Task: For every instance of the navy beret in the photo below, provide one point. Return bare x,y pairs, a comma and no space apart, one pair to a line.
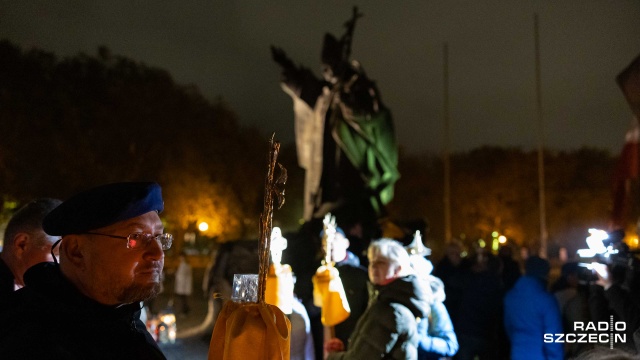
103,206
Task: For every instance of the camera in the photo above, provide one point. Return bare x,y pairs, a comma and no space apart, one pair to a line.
605,249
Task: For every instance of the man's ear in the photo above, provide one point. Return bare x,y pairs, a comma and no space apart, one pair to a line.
20,243
72,249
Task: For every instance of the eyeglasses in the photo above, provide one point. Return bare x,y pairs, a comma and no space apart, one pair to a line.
141,240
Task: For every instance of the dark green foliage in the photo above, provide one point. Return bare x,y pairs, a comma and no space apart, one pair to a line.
497,189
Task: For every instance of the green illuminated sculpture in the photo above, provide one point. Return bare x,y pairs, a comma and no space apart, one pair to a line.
344,134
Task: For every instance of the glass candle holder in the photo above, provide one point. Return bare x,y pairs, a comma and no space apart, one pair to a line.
245,288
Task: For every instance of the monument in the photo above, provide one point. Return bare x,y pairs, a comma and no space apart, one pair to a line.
345,138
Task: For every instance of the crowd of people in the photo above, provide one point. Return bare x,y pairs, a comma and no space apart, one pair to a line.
486,306
74,274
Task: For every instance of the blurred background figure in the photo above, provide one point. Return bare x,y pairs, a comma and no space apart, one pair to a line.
184,284
302,345
612,294
510,268
437,337
354,280
530,311
478,316
571,291
450,270
25,243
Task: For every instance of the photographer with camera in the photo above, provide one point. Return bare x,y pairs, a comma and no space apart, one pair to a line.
615,288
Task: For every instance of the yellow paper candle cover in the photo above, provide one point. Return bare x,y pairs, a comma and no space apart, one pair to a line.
328,293
280,287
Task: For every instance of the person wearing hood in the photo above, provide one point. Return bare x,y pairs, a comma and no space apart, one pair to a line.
388,328
530,312
437,338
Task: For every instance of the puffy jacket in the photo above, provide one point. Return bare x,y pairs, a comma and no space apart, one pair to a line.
529,313
388,328
354,280
437,338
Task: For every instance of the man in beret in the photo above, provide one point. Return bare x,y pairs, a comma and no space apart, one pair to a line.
25,244
88,306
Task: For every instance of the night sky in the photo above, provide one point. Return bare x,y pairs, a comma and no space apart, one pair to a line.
223,48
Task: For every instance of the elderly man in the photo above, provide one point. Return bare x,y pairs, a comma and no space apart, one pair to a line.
25,244
388,328
88,306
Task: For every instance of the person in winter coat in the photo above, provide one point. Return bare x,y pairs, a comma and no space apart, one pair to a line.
354,280
388,328
437,337
479,314
530,312
184,283
452,270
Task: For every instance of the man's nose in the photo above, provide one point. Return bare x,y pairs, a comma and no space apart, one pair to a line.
153,250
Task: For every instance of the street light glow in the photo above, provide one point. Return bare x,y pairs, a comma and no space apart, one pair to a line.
203,226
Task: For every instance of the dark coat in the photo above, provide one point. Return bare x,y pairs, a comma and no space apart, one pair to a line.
619,303
7,281
388,328
529,313
50,319
354,280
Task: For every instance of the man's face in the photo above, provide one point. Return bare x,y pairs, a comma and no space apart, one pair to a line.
382,271
115,274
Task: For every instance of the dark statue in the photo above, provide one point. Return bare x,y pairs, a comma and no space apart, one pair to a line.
344,135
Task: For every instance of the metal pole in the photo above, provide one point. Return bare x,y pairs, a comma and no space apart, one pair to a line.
447,167
541,187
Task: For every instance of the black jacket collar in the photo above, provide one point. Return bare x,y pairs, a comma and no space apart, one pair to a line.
47,280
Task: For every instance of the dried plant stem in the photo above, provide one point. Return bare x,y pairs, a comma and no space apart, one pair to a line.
266,218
